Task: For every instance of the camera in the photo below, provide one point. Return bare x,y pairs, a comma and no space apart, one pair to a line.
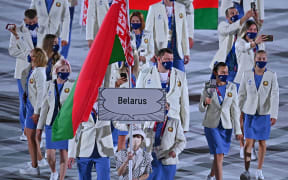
210,87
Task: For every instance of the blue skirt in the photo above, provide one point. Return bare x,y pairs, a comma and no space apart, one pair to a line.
257,127
56,144
219,139
29,123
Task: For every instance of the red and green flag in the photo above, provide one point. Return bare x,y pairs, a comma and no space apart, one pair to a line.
141,6
111,44
205,14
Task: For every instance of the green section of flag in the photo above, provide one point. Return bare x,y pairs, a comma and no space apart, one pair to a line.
117,51
142,11
206,18
62,126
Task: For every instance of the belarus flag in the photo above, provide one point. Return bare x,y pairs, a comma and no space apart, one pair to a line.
111,44
142,6
205,14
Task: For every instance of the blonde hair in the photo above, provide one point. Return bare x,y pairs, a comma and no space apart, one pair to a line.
59,64
40,57
135,67
47,46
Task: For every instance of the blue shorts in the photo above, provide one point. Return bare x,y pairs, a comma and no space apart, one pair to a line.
29,123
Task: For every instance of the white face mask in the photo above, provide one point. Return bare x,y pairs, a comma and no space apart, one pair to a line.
136,143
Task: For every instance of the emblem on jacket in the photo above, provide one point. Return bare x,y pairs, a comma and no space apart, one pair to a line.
249,82
229,94
265,83
146,40
66,90
58,4
181,15
31,81
179,83
170,129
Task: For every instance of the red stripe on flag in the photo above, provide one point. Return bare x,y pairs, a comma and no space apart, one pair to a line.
198,4
94,68
141,4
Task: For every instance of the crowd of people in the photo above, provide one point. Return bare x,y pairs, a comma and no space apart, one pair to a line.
242,95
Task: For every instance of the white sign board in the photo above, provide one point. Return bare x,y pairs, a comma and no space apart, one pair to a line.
131,104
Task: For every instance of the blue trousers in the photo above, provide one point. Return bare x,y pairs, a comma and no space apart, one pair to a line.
22,108
102,166
160,171
65,49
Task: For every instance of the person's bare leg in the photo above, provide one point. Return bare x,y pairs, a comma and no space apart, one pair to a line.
261,153
218,158
242,129
32,147
212,172
51,158
39,153
63,163
247,152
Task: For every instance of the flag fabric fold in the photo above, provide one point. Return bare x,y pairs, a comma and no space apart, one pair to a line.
83,95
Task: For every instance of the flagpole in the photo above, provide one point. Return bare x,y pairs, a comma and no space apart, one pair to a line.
130,86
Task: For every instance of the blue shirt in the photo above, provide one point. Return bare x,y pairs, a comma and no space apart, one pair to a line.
138,39
159,127
49,70
49,4
258,79
222,90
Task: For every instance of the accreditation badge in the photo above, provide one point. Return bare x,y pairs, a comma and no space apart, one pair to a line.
58,4
66,90
265,83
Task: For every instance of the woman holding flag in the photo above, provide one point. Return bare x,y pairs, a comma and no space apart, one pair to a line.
56,94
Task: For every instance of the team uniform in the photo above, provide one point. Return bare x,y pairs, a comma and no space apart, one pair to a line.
169,30
20,49
259,100
222,115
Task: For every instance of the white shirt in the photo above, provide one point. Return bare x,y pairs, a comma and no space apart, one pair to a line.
164,77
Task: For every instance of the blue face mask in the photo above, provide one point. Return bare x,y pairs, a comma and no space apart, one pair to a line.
261,64
56,48
251,35
29,59
168,65
166,111
223,78
63,75
32,27
235,18
136,25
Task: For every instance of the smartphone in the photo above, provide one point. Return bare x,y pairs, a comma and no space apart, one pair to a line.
123,75
269,38
10,26
253,6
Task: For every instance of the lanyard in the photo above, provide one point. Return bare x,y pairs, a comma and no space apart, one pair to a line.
168,81
219,95
163,127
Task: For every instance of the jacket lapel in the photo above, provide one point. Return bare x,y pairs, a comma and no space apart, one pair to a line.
27,36
215,99
153,79
173,78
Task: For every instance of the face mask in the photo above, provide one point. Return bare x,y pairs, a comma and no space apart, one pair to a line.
167,65
56,48
136,142
223,78
235,18
166,112
261,64
136,25
29,59
32,27
63,75
251,35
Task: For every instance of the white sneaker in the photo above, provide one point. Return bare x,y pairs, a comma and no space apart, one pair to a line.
253,154
242,152
42,163
30,171
259,174
23,137
245,175
54,176
210,177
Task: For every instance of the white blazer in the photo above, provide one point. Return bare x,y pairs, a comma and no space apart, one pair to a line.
146,47
157,23
22,47
226,34
82,145
57,21
190,15
97,10
245,57
47,108
36,86
259,7
177,96
173,139
265,100
228,112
